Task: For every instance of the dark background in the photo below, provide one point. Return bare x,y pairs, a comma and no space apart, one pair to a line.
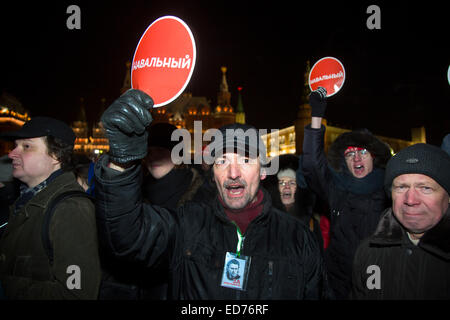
396,77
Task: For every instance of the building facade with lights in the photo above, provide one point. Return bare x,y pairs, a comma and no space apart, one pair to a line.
184,112
12,116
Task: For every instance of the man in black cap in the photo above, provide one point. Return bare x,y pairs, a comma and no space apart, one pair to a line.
195,241
408,257
41,160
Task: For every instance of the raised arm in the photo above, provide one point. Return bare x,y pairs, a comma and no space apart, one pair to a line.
314,163
127,226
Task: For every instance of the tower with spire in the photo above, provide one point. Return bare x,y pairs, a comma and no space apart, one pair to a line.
240,114
224,112
224,95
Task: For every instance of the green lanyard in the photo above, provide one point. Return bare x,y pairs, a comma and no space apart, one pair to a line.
240,242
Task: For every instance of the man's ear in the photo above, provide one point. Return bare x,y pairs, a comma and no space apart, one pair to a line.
262,173
55,161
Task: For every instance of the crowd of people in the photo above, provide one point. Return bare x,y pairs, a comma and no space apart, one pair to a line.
352,223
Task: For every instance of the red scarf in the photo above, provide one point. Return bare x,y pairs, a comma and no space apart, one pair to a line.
243,217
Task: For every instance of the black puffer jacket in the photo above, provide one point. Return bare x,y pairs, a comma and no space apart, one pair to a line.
192,243
355,204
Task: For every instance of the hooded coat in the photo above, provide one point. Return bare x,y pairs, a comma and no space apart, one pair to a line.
355,204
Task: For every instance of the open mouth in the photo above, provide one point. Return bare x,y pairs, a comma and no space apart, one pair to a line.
15,165
359,169
234,190
286,195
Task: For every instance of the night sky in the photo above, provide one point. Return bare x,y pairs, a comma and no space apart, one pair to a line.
396,77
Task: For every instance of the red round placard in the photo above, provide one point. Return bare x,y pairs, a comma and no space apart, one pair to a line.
329,73
164,60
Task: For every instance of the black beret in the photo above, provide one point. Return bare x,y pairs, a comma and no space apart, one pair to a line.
41,127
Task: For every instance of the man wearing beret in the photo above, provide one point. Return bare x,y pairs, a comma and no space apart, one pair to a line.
408,257
42,161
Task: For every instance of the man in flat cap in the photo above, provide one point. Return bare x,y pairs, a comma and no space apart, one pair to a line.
42,161
408,257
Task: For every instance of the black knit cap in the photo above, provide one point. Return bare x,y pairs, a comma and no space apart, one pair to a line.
420,158
41,127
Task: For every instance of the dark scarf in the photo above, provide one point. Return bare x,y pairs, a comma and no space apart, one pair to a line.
167,191
372,182
243,217
26,193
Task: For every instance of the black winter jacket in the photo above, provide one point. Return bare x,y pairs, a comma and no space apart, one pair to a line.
404,270
192,243
353,217
123,280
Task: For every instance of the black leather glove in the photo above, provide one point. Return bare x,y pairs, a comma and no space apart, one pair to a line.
318,102
125,123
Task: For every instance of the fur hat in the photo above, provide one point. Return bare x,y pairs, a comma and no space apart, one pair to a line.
362,138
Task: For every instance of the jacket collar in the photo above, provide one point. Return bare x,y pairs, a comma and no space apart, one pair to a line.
436,240
42,198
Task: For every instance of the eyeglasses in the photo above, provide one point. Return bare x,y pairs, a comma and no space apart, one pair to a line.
363,153
289,183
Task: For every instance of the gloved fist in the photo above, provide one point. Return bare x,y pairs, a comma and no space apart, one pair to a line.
125,123
318,102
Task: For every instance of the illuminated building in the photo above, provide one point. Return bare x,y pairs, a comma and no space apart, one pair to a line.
182,113
12,117
89,143
186,109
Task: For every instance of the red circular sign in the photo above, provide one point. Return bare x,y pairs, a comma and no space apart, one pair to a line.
329,73
164,60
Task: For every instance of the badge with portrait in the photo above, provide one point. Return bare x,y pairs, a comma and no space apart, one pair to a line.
235,271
